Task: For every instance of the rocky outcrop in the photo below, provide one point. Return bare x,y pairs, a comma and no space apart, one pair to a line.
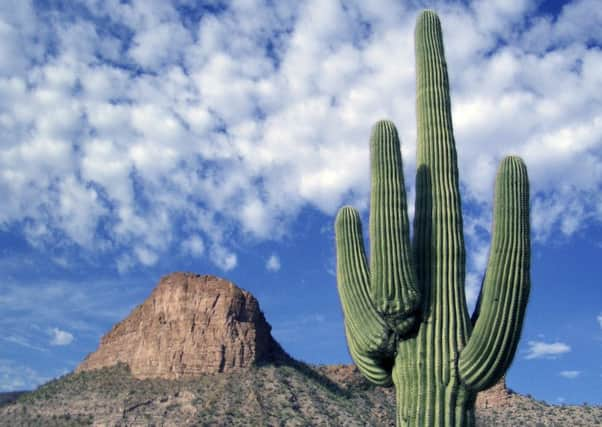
495,397
189,325
498,396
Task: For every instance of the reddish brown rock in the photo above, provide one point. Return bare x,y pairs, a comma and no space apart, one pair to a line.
189,325
497,396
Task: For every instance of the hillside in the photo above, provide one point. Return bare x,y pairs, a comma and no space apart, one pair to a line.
199,351
291,394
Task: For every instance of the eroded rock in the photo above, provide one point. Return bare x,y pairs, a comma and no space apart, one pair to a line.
189,325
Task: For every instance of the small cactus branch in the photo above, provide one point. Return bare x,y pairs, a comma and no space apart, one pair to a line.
495,337
371,341
393,283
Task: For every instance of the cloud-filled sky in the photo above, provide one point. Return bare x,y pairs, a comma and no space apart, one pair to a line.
143,137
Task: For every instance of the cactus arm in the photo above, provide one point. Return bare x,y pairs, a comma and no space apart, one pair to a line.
505,291
439,250
393,283
377,369
371,342
438,221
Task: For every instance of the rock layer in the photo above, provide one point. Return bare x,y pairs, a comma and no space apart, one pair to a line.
498,396
189,325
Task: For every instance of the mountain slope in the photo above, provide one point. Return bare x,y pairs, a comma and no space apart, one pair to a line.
289,394
198,351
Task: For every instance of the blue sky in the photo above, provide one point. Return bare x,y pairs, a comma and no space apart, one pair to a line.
139,138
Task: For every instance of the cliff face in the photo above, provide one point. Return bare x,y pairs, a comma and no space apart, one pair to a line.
189,325
495,397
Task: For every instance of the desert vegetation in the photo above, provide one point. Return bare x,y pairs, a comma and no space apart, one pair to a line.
293,394
406,318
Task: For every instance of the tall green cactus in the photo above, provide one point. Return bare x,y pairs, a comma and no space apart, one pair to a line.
406,319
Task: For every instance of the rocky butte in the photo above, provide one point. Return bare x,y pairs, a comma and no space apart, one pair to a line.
198,324
189,325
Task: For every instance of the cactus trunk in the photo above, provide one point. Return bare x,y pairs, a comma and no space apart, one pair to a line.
438,404
406,319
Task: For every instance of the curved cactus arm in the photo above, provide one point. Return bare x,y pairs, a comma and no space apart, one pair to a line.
377,370
371,341
505,291
393,283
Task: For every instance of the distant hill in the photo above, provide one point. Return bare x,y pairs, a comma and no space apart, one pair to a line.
199,351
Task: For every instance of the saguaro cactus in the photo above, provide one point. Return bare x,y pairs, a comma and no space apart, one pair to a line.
406,319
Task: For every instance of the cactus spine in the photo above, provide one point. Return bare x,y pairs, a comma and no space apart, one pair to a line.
406,319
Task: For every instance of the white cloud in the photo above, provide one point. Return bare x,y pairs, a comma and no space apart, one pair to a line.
160,44
599,319
540,349
79,211
476,231
23,342
18,31
146,256
194,245
273,263
473,286
15,377
231,125
32,309
570,374
223,258
59,337
125,263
